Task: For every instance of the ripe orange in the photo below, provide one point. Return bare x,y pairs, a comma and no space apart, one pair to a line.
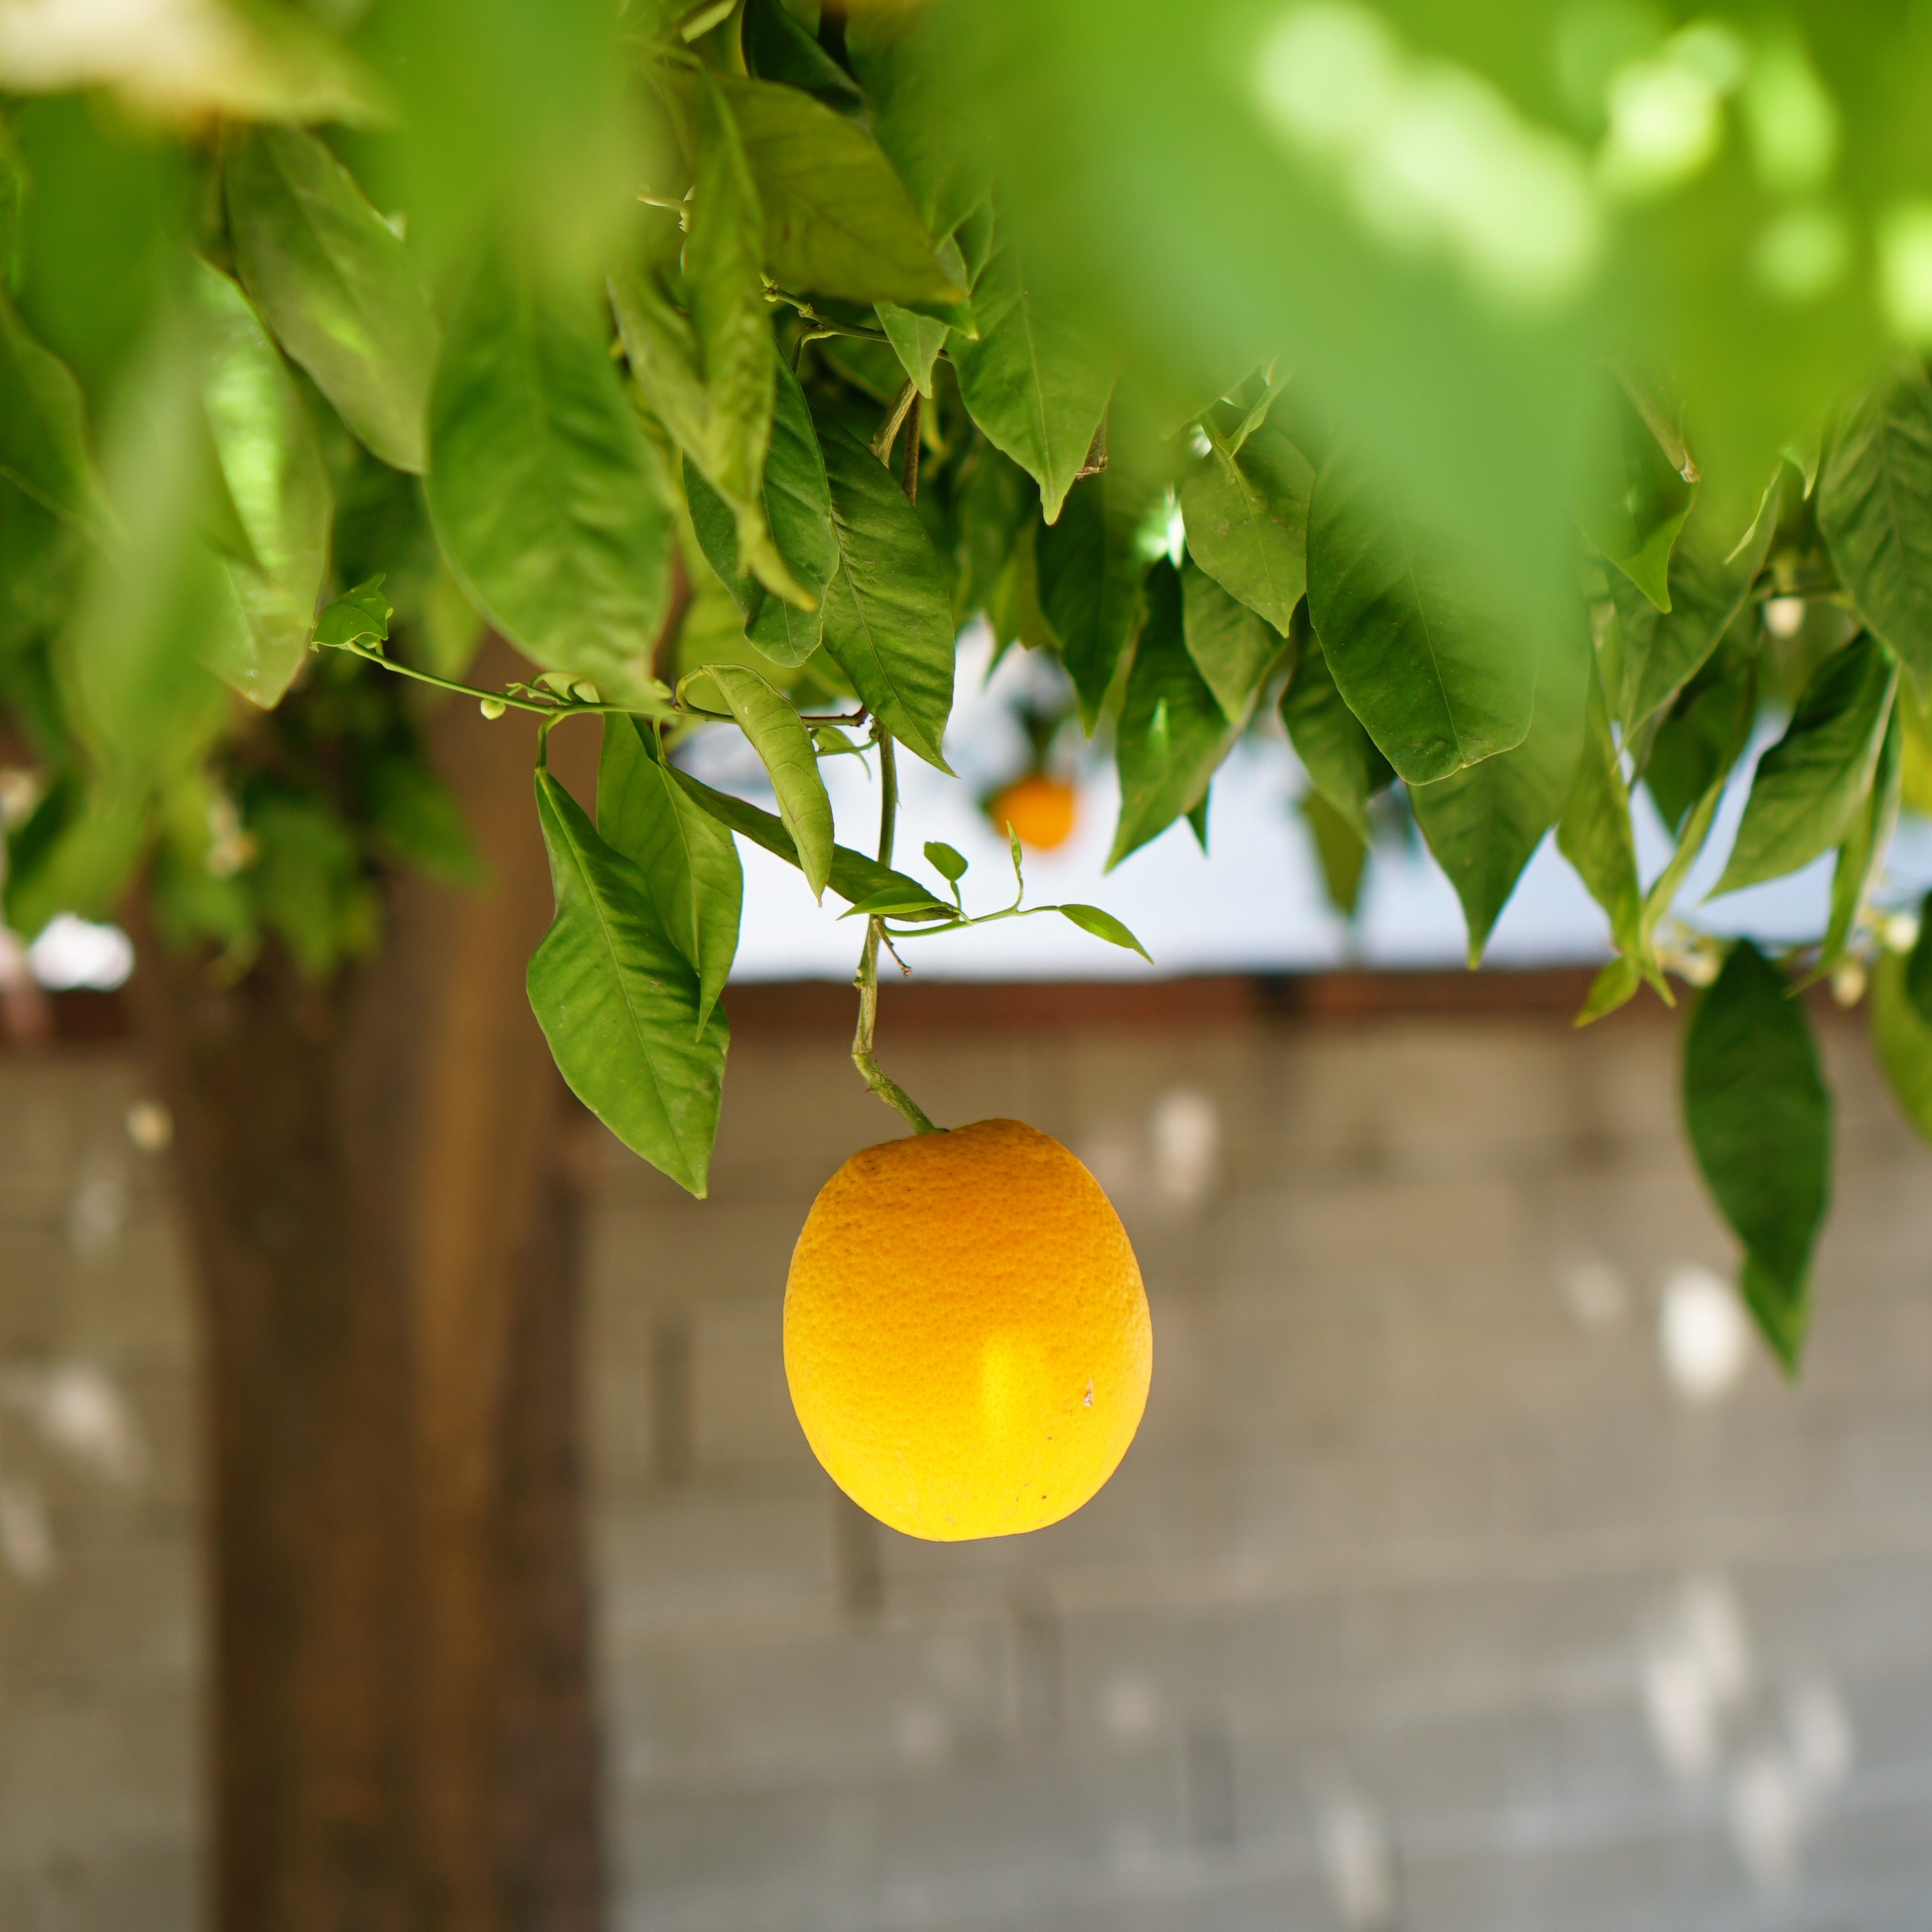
967,1339
1039,808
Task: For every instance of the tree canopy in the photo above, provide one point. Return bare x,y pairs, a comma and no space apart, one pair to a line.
1525,405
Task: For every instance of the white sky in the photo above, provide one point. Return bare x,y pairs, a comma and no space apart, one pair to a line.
1254,903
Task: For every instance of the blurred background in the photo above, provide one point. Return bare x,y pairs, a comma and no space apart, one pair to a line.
1473,1569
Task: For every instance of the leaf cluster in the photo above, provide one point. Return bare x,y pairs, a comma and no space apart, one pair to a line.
768,348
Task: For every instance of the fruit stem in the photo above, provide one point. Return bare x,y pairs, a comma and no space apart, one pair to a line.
867,980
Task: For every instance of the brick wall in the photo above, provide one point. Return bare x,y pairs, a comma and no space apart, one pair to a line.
1426,1598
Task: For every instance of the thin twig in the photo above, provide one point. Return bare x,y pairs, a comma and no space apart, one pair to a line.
867,979
909,474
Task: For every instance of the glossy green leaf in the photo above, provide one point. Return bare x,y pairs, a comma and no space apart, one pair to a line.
1339,757
43,444
1723,713
1232,647
1637,503
1861,858
1036,381
1875,510
1102,926
1089,569
732,324
336,284
1485,822
888,608
1661,652
1246,517
1340,853
1811,785
797,503
946,860
688,859
898,902
916,340
778,735
893,50
157,601
1172,733
360,615
1595,835
996,501
1437,676
777,47
1759,1119
1901,1041
618,1003
838,221
854,877
272,472
546,494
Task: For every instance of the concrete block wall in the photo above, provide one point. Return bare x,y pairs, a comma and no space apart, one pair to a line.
1426,1599
100,1605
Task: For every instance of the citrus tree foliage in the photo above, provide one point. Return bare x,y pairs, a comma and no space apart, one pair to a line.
1523,408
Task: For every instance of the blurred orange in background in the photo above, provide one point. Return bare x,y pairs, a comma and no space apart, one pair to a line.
1041,810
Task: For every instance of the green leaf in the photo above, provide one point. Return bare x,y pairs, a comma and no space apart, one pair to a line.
891,51
797,503
1722,713
1439,678
358,616
1340,851
1233,649
897,902
1918,965
1901,1039
336,285
1759,1119
272,470
837,219
712,379
1875,510
1102,926
916,340
945,860
777,47
1661,653
1485,822
156,602
618,1004
1172,733
1340,758
1810,785
1036,382
854,877
545,492
732,324
1861,858
1246,517
1090,571
888,609
1693,744
996,502
778,735
688,859
43,447
1595,835
1636,502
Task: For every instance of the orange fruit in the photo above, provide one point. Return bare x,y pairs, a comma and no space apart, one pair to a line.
966,1339
1039,808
